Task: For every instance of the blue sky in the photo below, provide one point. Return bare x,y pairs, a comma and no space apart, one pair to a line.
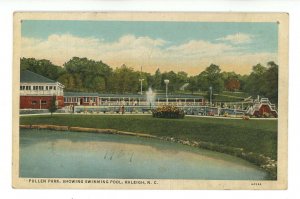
234,38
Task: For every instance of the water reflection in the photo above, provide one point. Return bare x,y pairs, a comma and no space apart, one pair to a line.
86,155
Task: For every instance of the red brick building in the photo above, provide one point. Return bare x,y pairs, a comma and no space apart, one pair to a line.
36,91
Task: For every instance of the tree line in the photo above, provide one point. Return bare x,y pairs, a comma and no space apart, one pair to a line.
87,75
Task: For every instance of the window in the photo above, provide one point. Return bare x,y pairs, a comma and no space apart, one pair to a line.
28,87
46,87
34,102
41,88
54,87
50,87
67,99
44,102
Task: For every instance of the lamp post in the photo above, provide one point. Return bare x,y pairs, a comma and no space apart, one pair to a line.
141,80
210,88
167,82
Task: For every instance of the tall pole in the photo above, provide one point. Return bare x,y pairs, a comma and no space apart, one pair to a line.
141,86
210,88
141,80
167,93
167,82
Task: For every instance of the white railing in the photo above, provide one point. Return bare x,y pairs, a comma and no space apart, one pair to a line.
267,102
259,103
41,92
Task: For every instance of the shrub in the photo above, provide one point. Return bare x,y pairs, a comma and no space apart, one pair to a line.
168,111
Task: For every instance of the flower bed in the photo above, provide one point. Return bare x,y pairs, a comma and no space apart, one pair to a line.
168,111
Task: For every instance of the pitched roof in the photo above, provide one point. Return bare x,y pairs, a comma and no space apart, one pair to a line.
31,77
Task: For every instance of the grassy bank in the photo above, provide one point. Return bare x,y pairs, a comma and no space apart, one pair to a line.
225,96
247,139
252,135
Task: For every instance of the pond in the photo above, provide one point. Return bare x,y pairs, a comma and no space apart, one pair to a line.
62,154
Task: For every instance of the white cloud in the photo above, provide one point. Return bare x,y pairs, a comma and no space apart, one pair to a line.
238,38
200,47
192,56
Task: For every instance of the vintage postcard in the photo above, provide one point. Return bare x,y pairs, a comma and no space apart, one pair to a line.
150,100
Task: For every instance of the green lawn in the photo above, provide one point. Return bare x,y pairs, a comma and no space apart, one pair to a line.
226,96
236,94
258,136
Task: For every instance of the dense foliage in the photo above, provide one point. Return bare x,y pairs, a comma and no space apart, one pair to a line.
168,111
82,74
43,67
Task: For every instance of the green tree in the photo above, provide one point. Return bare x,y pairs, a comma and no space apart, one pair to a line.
53,106
243,79
177,80
125,80
255,82
211,77
270,87
157,80
172,77
263,81
89,75
43,67
68,81
193,84
182,77
94,83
